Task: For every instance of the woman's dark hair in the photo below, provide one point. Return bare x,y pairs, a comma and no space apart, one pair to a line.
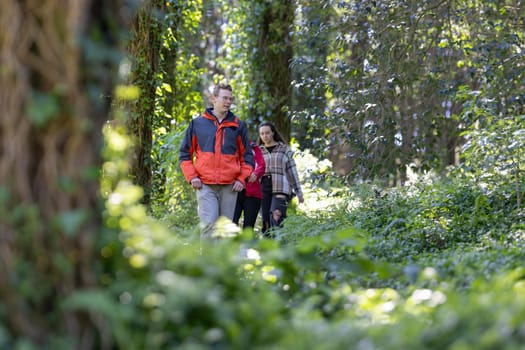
276,135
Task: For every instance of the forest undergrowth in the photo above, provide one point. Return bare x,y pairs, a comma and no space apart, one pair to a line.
433,264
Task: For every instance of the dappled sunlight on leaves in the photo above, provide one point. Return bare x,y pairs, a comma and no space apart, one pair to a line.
313,172
138,261
358,260
225,228
127,92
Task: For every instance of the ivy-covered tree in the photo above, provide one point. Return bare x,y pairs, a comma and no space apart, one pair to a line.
59,63
259,43
145,49
178,97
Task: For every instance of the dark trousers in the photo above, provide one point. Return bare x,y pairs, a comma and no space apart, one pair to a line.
250,206
270,202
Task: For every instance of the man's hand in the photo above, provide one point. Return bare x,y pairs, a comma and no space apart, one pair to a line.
237,186
252,178
300,198
196,183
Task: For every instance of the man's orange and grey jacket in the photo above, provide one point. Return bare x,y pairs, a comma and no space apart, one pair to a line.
216,153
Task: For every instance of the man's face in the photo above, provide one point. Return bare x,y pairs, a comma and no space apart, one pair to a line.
222,102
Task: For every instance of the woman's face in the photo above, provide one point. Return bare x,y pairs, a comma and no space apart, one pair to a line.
266,134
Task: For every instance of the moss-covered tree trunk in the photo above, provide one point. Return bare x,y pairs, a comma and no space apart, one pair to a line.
145,48
57,70
271,65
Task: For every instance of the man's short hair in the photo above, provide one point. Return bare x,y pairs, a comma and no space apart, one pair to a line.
221,86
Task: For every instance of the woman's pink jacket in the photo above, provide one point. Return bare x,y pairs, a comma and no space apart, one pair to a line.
253,189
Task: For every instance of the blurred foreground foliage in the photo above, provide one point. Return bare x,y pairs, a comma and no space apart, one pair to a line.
435,264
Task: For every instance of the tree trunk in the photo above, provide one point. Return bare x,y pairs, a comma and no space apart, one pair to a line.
276,47
54,84
145,47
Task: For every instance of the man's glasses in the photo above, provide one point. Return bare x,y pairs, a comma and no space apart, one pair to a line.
227,98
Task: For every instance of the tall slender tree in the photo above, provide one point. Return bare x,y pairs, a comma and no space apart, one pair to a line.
273,62
145,49
260,42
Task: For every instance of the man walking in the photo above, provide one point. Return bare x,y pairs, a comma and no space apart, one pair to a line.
216,158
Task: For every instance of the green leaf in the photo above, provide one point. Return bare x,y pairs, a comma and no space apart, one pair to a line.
42,108
352,237
70,222
93,300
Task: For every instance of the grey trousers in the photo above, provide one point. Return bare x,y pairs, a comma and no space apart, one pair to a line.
214,201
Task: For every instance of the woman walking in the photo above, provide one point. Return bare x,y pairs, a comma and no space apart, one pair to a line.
280,181
249,199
